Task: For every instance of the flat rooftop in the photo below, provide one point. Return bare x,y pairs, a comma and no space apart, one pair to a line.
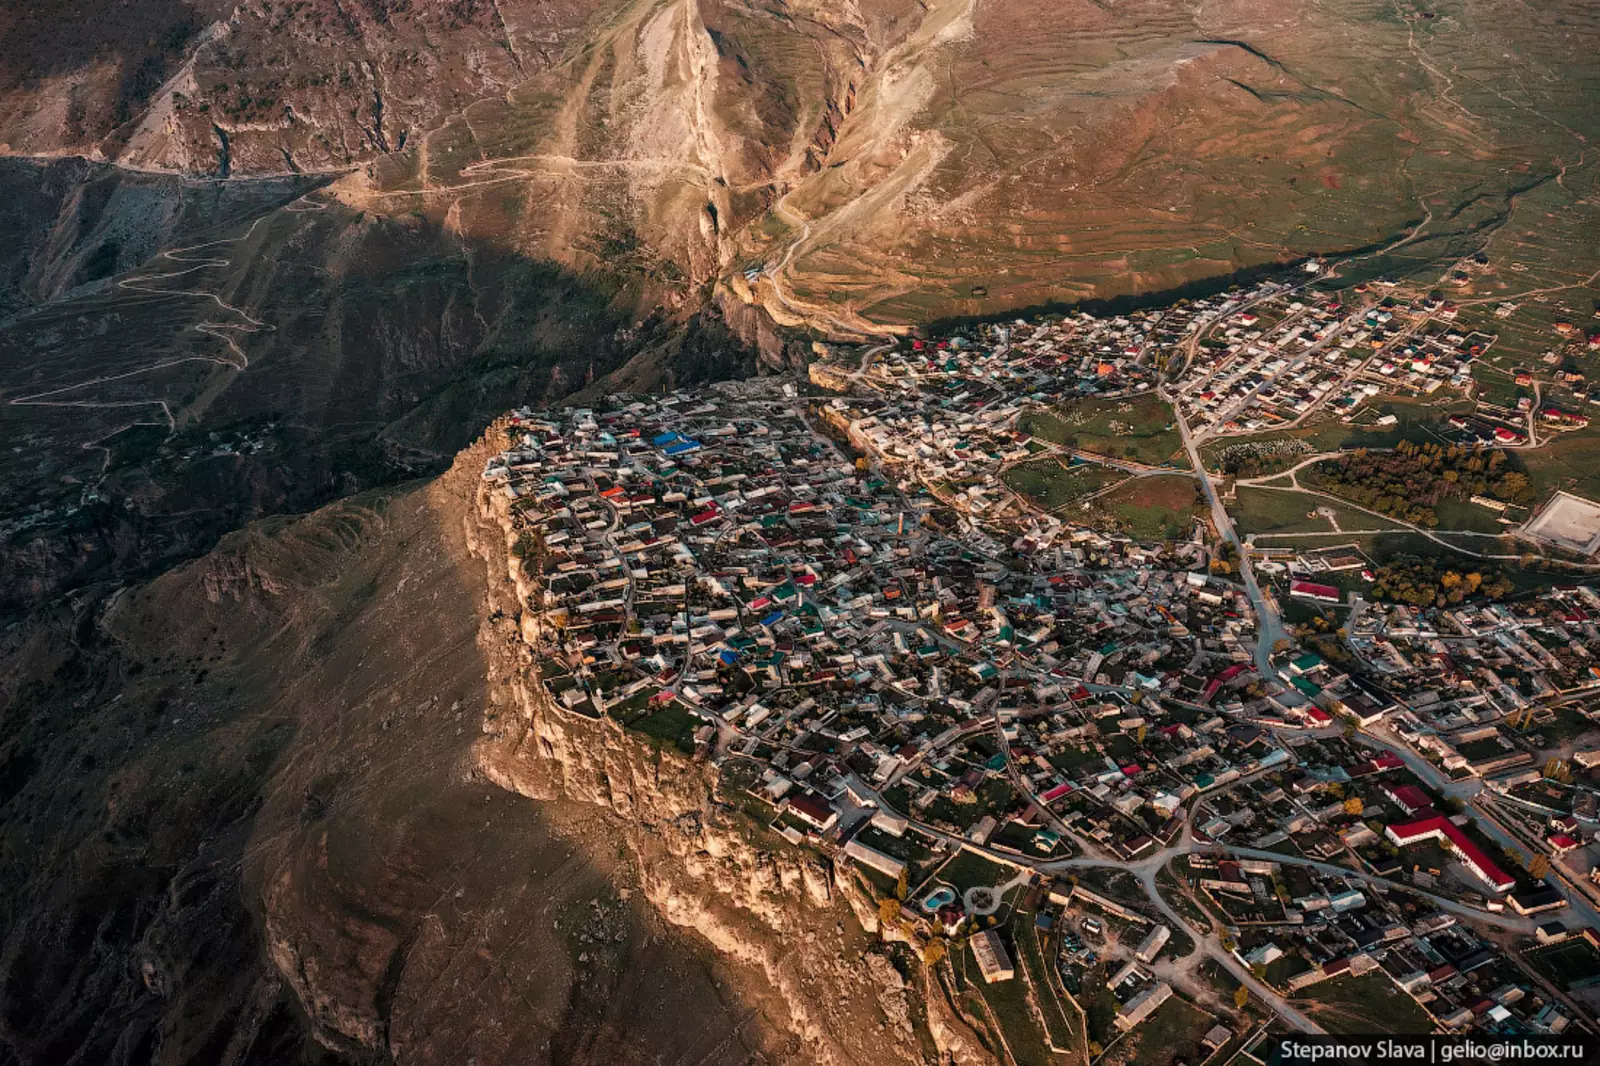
1568,522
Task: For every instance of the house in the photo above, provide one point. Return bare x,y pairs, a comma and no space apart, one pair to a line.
1152,944
1307,663
1142,1006
993,961
1560,844
814,811
1310,590
874,859
1551,933
1537,900
1409,798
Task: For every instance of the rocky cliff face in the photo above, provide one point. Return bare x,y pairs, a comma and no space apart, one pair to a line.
803,933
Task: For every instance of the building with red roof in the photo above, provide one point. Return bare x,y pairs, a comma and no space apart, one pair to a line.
1056,793
815,810
1310,590
1440,828
1387,761
1409,798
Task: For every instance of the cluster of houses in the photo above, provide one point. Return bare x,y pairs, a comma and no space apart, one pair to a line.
1482,662
710,564
908,664
1328,926
1280,356
1073,355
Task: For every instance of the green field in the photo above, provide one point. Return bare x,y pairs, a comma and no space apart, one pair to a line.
1259,510
1367,1004
1159,507
1173,1031
1008,1002
1570,461
1464,514
1417,421
1050,485
1141,429
1060,1020
672,724
968,869
1564,963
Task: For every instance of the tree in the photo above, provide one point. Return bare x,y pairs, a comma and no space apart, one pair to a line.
934,952
1241,996
1538,867
1353,805
888,911
900,886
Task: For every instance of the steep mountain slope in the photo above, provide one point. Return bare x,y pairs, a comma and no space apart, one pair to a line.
283,350
248,809
880,159
240,823
67,224
1050,152
246,820
265,85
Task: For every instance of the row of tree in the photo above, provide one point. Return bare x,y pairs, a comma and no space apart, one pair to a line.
1429,583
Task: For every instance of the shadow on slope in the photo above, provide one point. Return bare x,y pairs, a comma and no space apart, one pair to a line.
240,826
284,359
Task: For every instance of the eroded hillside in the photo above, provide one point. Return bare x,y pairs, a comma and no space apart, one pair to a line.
282,349
257,811
856,167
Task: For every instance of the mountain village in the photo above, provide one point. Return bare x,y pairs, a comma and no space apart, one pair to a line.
1122,783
